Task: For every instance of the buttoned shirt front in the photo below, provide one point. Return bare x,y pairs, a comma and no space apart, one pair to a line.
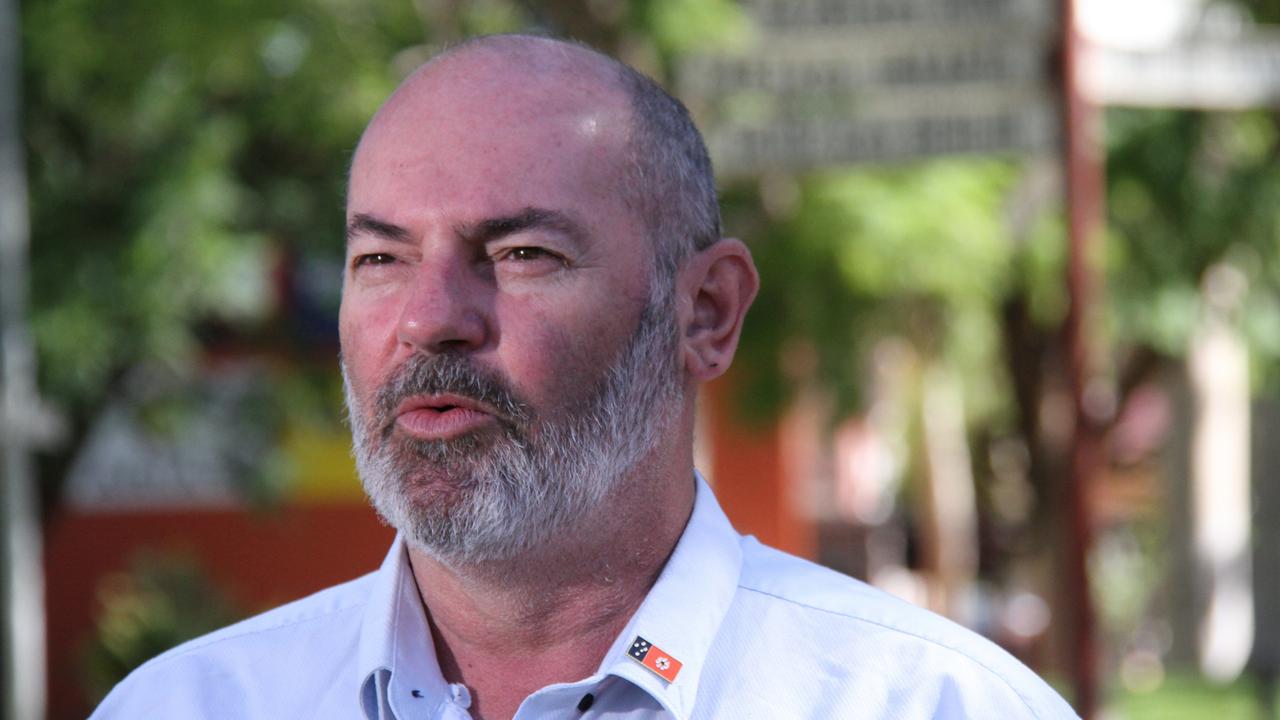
748,631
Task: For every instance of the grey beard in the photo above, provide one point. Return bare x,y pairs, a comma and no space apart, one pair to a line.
537,478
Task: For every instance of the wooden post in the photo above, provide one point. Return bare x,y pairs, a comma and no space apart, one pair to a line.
1085,202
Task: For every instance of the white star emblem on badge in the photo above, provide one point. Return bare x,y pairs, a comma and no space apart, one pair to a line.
662,663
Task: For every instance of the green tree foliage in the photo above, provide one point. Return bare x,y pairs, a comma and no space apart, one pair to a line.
1188,191
161,601
174,150
923,253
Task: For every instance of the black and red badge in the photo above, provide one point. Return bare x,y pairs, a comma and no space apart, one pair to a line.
655,658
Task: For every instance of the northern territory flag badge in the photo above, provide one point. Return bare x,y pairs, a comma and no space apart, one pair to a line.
654,658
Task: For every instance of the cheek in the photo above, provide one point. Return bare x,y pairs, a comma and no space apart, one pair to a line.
366,338
547,363
559,360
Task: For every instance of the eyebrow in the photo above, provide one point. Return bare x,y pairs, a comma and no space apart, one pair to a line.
370,225
480,232
529,218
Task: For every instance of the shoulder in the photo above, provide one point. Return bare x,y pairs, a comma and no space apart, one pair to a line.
770,576
826,630
247,668
315,617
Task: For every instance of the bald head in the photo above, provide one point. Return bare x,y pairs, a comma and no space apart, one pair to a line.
646,140
506,69
529,55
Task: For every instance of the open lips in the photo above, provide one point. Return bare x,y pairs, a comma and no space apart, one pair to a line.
442,417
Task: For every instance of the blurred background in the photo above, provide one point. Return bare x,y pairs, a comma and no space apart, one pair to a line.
1016,357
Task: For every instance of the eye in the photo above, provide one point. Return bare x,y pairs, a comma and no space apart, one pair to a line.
529,255
372,259
526,254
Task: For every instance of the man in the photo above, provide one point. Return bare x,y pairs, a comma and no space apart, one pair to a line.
535,287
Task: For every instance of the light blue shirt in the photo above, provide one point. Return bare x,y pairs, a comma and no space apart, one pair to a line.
758,633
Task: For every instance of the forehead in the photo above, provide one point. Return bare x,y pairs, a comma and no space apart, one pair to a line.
486,132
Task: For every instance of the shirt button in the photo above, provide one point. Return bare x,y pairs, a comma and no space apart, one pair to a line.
460,695
585,703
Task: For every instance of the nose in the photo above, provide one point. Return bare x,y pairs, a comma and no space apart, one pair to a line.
444,308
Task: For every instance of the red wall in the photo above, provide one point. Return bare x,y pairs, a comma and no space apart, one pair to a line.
260,559
751,480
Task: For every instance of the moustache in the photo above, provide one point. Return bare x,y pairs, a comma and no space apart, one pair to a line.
452,374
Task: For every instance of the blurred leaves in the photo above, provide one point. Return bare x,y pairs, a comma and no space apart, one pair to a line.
161,601
681,26
174,148
1188,191
920,252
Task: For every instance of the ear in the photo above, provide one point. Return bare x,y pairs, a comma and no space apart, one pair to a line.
717,286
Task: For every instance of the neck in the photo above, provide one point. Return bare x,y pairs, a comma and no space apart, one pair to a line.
506,629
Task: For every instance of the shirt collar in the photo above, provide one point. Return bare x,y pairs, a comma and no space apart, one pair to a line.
681,615
683,611
397,658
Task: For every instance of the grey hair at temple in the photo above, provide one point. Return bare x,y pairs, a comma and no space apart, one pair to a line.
670,174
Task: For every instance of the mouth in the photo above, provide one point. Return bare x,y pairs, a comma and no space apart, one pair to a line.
442,417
